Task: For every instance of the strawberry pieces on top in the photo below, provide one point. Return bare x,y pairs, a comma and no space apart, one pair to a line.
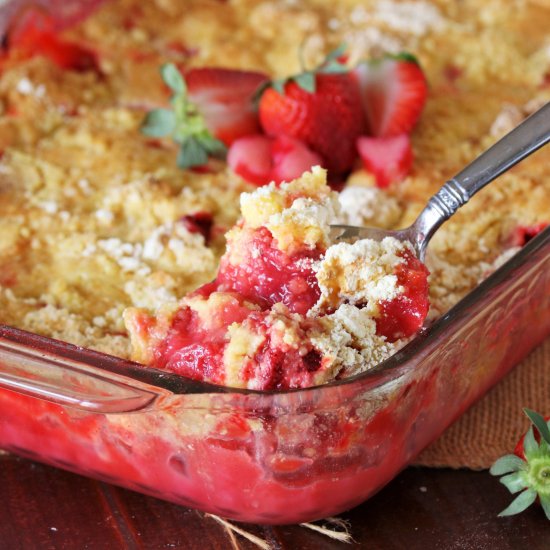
260,160
389,159
34,33
393,92
277,130
224,97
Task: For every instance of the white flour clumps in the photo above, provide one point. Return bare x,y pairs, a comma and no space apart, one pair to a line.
368,206
361,273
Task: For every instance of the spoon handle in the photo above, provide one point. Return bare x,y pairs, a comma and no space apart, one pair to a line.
526,138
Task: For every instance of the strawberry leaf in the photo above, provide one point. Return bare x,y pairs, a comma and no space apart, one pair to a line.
159,123
191,153
520,503
530,443
173,79
406,56
279,86
507,464
514,482
306,81
539,422
213,146
545,503
337,53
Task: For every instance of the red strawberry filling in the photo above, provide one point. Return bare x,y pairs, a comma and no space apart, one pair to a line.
267,275
200,222
34,34
524,233
194,349
404,316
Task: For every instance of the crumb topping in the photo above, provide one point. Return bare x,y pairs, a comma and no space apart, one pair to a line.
362,273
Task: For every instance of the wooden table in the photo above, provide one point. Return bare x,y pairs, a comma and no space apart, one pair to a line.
46,508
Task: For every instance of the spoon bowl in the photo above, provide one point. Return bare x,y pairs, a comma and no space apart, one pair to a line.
529,136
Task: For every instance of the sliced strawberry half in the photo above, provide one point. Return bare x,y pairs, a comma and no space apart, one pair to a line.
393,92
389,159
250,158
225,98
291,158
34,33
259,159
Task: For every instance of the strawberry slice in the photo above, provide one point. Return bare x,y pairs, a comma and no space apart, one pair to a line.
388,158
34,33
291,158
250,158
225,98
259,159
393,92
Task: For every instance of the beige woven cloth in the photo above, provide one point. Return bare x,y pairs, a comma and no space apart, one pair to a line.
492,426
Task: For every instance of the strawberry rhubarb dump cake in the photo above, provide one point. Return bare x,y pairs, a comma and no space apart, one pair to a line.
133,140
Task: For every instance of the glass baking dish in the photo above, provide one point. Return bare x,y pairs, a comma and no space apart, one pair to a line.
266,457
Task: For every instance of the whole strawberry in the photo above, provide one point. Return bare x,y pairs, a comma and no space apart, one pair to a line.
321,108
528,469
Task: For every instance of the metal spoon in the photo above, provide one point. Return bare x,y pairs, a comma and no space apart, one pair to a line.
526,138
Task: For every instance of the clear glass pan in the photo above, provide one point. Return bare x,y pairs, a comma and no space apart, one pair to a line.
265,457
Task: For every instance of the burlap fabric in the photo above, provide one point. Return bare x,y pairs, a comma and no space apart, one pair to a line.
492,426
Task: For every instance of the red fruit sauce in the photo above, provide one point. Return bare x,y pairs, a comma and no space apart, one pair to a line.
268,275
34,33
404,316
199,222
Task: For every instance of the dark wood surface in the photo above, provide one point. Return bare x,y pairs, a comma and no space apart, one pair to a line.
46,508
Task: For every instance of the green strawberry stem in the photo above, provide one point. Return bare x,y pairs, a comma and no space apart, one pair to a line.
306,79
183,123
530,477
